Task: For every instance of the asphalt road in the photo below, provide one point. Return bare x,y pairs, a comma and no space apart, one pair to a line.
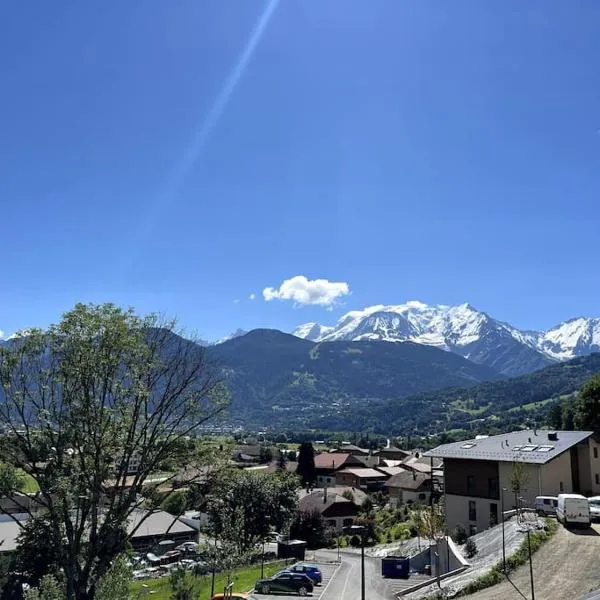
343,582
346,583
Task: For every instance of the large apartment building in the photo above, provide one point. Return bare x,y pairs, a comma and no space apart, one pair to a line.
479,473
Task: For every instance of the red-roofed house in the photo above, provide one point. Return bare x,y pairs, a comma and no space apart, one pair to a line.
328,463
363,478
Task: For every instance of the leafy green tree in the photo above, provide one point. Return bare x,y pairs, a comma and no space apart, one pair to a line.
49,589
183,585
282,460
367,508
306,464
309,526
292,455
84,398
265,455
246,505
38,550
176,503
555,416
587,406
115,582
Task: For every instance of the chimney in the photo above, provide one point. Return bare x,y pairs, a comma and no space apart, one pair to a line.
507,444
414,475
553,436
529,439
325,494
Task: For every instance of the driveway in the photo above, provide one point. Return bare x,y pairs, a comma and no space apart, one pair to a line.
564,568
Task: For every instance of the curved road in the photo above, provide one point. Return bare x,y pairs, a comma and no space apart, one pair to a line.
345,584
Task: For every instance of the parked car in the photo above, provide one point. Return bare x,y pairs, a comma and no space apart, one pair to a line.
285,582
546,505
313,572
573,510
594,503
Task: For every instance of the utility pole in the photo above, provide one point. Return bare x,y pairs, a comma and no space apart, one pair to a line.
503,535
530,565
361,530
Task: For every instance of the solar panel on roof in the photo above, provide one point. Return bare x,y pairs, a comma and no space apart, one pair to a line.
545,448
528,448
517,447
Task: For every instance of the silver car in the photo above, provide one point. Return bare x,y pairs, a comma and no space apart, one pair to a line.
594,508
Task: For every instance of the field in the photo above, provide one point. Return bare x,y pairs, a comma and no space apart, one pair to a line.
244,580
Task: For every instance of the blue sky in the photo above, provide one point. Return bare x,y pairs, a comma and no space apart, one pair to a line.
178,157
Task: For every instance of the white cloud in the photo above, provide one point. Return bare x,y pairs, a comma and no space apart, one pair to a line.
236,301
1,334
305,291
252,297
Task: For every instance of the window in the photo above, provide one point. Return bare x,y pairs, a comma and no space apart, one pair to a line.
422,496
597,479
493,487
595,451
472,510
561,486
493,514
470,485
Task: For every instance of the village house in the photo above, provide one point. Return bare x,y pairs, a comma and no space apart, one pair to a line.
364,478
327,464
336,510
479,473
392,453
409,487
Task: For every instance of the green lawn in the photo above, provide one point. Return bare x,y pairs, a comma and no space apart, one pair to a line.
30,485
531,405
462,406
244,580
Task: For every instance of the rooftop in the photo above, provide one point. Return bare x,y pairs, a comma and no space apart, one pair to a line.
321,501
158,523
363,473
408,481
334,460
391,471
537,446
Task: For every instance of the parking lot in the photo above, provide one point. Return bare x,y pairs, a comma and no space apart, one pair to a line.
327,570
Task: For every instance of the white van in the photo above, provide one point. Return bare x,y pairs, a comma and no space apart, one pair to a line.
573,509
546,505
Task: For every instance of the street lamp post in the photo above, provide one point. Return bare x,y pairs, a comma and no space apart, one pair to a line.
262,561
503,536
360,530
530,565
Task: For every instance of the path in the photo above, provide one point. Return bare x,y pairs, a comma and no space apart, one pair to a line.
564,568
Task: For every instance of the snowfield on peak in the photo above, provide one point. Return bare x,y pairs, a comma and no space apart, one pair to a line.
464,330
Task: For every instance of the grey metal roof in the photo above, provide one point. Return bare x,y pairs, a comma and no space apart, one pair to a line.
156,524
530,446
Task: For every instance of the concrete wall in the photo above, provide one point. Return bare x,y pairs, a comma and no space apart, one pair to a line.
338,523
323,480
592,461
557,472
457,511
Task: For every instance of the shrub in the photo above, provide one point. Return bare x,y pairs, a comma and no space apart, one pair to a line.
355,541
470,548
459,535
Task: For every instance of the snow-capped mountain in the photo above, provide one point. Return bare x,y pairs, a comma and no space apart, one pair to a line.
237,333
575,337
312,331
464,330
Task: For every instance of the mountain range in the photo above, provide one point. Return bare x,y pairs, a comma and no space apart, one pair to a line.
276,376
466,331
